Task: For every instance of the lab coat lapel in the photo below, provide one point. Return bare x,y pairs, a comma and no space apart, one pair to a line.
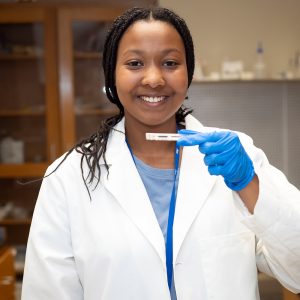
125,184
195,184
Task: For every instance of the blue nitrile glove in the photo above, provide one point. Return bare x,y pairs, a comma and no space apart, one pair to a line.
224,155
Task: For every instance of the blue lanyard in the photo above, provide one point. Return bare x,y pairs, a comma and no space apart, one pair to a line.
169,245
169,242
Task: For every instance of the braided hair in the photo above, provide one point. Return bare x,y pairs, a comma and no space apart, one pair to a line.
94,146
120,26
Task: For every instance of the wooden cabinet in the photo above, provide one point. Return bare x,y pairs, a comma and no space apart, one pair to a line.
28,88
29,110
287,295
51,95
83,103
7,274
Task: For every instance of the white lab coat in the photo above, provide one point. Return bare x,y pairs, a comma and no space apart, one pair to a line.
112,248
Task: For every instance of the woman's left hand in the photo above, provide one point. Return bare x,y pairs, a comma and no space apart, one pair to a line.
224,155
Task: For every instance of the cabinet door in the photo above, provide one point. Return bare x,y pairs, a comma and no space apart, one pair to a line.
29,122
287,295
7,274
29,125
83,103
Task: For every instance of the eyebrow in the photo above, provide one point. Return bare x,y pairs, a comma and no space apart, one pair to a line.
165,51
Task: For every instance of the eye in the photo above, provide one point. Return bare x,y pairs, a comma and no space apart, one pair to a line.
134,64
171,64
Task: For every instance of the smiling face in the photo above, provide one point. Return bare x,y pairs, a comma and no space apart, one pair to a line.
151,74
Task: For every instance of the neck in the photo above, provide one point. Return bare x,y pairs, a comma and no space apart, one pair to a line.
158,154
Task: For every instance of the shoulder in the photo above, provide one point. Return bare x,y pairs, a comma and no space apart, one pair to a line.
74,162
66,163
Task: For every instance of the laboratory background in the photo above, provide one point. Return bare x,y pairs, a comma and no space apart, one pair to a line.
247,78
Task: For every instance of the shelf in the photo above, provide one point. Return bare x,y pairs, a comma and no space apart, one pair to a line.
15,222
29,109
22,113
14,56
95,111
26,170
87,55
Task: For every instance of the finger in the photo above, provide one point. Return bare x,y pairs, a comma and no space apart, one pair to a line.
187,131
192,138
215,170
214,159
208,148
225,143
215,136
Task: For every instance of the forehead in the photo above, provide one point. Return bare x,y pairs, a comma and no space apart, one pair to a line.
151,34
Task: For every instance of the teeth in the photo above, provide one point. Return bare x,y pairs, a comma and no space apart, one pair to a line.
152,99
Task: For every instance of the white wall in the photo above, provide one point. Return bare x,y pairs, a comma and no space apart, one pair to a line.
231,28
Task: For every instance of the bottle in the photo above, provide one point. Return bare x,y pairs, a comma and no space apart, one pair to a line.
259,66
297,65
11,150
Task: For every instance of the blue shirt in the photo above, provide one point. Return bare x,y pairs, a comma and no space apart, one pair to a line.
159,186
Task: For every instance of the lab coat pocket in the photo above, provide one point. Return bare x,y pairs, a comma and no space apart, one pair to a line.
229,267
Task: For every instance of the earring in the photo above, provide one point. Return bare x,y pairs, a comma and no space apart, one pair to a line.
186,97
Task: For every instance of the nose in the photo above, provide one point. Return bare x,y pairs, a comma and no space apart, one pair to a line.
153,77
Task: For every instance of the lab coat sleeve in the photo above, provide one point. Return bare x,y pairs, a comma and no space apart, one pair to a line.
276,223
50,268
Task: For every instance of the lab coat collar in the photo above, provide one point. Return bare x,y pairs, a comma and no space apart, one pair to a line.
195,184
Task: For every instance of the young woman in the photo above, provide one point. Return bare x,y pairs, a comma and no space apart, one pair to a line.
122,217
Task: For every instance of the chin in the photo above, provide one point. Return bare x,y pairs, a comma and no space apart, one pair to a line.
160,122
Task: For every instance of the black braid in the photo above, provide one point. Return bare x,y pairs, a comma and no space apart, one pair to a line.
94,147
98,141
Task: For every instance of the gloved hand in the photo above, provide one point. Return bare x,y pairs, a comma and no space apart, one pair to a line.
224,155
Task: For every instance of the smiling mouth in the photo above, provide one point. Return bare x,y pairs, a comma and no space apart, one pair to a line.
153,99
